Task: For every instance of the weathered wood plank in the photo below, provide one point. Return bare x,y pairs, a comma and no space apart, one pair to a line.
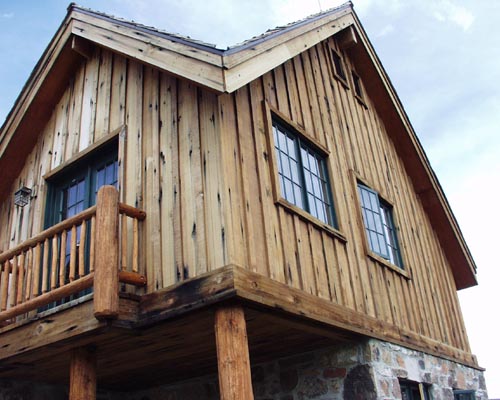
83,374
233,359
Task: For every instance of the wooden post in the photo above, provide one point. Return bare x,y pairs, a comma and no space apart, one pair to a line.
106,254
82,374
235,380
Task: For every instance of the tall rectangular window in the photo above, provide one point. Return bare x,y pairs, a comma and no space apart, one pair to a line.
338,66
73,190
303,175
358,88
379,225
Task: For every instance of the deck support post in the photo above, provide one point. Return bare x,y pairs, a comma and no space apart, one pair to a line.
235,380
83,375
106,281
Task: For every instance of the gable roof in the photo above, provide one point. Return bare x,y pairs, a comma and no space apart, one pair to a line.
225,71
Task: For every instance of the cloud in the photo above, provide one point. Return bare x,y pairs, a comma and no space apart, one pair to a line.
386,30
7,15
446,10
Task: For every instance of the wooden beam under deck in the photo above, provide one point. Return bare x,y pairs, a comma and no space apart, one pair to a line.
170,333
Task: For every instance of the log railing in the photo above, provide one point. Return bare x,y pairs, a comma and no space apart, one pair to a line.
97,248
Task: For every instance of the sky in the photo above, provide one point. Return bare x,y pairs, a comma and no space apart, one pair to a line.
443,58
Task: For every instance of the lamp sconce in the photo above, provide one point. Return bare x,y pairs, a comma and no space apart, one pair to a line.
22,196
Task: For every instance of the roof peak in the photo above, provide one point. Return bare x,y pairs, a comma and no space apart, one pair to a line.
210,46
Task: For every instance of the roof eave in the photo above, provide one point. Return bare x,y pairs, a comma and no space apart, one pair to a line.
425,181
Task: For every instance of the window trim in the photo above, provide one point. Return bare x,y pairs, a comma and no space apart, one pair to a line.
88,152
119,135
336,54
405,271
358,88
423,388
82,167
279,200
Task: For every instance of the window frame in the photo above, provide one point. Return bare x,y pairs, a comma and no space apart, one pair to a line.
338,61
93,157
358,88
404,269
457,394
272,113
423,389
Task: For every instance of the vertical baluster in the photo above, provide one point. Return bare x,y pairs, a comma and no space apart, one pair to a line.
36,271
20,279
124,242
92,244
29,274
62,259
4,285
135,251
72,255
81,251
45,267
53,272
13,284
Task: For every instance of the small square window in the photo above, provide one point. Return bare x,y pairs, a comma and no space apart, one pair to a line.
302,172
464,395
379,226
414,390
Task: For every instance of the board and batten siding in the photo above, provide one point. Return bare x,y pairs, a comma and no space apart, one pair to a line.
168,152
271,239
198,163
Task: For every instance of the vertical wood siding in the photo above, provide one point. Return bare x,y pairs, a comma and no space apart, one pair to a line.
272,240
169,161
198,164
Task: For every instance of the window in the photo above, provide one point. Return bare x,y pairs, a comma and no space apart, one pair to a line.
358,88
338,66
73,190
302,172
464,395
379,225
414,391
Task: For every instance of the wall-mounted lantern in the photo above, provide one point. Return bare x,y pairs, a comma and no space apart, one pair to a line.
22,196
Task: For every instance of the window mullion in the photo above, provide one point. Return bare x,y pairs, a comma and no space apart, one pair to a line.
305,197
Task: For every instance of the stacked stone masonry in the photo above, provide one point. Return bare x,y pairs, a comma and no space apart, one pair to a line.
370,370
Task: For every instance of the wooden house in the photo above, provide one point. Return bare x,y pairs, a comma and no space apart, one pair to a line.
184,222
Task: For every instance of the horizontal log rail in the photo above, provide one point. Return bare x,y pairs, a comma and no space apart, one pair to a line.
71,258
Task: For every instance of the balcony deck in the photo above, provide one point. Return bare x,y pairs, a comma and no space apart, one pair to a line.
168,335
145,339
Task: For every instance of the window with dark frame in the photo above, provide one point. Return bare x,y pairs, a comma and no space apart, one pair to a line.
303,174
379,226
464,395
338,65
358,88
414,390
75,189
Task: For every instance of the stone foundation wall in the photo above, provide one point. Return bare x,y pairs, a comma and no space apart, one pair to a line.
365,371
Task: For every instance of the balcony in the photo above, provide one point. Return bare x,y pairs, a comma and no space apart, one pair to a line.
91,252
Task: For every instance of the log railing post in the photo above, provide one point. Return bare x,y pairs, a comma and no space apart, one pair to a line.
106,254
235,380
82,374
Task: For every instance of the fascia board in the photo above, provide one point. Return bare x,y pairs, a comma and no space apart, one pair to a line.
432,186
31,87
241,70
